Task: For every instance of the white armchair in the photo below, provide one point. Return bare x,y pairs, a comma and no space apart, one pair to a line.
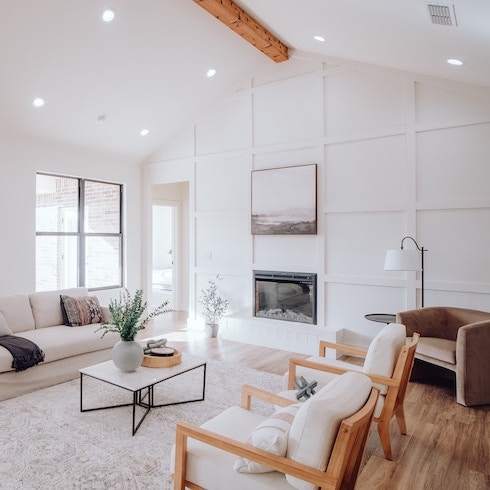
388,362
316,444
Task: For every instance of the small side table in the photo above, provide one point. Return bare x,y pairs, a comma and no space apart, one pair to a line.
381,317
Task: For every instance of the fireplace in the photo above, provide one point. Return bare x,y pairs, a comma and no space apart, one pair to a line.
289,296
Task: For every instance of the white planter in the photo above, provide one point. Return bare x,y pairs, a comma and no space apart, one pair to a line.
211,329
127,355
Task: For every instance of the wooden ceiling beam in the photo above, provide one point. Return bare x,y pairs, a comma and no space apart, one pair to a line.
246,26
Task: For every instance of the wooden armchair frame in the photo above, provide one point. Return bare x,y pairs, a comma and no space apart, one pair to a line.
343,467
396,385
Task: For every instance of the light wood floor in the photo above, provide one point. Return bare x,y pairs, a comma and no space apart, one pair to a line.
447,447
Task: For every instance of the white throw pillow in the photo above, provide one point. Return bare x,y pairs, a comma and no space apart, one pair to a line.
271,435
4,328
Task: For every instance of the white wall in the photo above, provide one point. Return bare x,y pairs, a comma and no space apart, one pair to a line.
397,155
20,159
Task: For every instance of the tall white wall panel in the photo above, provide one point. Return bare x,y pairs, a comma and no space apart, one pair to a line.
356,243
221,243
358,101
366,174
222,184
226,127
458,241
346,305
287,111
453,166
447,102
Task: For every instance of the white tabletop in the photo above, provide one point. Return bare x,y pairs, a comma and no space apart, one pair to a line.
143,376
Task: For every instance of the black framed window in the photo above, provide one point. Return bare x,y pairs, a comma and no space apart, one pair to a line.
79,238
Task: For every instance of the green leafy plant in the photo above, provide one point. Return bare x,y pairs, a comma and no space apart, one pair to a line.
212,304
129,315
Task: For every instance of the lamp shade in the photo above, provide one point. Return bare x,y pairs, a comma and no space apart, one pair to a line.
402,260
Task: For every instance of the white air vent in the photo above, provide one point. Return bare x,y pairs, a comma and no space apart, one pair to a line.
442,14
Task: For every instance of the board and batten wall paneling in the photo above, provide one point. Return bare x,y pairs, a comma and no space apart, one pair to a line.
458,242
222,184
221,242
356,243
366,175
287,111
295,253
453,167
346,305
397,155
225,128
443,104
358,102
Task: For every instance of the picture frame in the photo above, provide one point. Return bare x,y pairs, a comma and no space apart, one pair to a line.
284,201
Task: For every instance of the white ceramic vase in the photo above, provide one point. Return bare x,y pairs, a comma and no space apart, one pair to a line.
212,329
127,355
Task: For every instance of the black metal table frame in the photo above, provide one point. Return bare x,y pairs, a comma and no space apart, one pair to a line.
145,393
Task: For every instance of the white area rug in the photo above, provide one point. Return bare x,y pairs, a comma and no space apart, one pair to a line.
47,443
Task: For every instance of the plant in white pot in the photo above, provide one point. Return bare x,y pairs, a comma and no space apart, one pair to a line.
213,307
129,316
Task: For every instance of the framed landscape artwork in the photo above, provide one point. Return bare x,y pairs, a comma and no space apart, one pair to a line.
284,201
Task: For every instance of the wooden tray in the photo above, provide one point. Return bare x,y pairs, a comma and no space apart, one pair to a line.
162,361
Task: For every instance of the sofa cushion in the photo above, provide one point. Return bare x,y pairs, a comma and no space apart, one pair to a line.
17,312
4,328
270,435
315,426
46,307
61,342
383,352
441,349
80,311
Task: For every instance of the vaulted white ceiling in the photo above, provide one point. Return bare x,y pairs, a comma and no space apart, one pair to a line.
102,83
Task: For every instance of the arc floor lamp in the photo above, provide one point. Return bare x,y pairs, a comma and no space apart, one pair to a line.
407,260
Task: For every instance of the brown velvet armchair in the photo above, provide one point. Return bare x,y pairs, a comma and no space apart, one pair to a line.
457,339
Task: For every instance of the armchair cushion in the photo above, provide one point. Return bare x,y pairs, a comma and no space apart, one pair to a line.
435,348
270,435
317,422
213,467
383,352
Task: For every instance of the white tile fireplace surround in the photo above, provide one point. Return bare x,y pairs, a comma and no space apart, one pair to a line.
287,296
285,326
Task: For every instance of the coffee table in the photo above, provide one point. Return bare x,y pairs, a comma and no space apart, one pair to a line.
141,383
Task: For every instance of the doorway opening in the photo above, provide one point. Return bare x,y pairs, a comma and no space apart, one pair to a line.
164,251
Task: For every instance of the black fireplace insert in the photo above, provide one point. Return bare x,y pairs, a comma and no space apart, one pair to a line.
289,296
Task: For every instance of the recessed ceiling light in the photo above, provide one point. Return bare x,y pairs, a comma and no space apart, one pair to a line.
320,39
144,132
101,120
38,102
211,72
108,15
455,62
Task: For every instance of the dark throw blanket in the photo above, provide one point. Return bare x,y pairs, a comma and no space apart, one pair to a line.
25,352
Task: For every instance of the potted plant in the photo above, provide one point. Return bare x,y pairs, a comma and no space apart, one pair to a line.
213,307
129,316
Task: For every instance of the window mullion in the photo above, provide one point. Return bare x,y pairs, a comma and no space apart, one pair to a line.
81,233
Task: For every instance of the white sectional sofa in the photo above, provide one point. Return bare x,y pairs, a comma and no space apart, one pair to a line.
38,317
